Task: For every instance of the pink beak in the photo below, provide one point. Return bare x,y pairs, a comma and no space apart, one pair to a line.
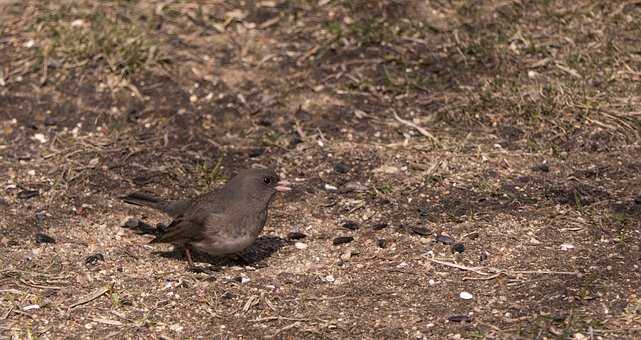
282,186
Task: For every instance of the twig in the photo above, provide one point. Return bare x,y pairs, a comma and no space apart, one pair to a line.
543,272
295,324
485,278
492,273
421,130
253,300
356,208
35,285
12,291
6,314
45,66
621,330
96,294
458,266
108,321
275,318
299,130
307,55
310,298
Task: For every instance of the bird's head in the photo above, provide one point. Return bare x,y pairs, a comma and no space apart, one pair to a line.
257,184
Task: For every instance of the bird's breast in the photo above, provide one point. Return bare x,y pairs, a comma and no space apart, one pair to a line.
233,237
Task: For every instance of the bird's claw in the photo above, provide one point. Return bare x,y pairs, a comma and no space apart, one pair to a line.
201,270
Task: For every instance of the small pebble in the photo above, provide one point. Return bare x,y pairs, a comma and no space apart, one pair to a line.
295,235
379,226
40,138
473,236
341,168
255,152
93,259
445,239
300,245
346,256
351,225
458,248
466,296
579,336
27,194
40,217
43,238
483,256
50,121
420,231
353,187
567,246
295,141
459,318
264,122
330,187
342,239
141,180
541,167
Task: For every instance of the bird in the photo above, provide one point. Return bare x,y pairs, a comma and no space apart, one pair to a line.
221,222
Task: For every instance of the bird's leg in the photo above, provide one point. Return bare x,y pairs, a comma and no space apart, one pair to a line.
192,267
188,254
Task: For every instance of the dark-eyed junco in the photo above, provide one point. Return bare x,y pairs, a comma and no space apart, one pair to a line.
221,222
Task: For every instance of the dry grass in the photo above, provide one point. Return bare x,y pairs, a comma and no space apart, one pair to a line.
512,127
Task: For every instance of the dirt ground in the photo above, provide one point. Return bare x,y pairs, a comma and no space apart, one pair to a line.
483,156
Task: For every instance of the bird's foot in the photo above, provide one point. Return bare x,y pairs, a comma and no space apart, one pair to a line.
201,270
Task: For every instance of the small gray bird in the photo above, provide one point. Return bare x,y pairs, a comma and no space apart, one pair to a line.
221,222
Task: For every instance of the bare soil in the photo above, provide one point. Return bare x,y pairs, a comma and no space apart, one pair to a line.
511,127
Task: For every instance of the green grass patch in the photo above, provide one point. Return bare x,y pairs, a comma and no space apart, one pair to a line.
78,33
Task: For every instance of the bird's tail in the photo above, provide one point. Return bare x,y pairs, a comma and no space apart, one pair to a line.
171,208
139,198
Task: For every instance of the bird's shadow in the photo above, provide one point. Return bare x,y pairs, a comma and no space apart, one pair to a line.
261,249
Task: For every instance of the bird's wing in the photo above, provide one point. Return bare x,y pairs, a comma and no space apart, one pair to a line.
185,228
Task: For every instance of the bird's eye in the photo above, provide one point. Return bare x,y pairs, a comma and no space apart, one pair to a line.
267,180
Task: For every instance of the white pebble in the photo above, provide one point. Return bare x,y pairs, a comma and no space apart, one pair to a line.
77,23
567,246
466,296
176,328
39,137
300,245
330,187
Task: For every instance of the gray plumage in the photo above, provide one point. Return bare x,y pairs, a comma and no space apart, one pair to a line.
221,222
